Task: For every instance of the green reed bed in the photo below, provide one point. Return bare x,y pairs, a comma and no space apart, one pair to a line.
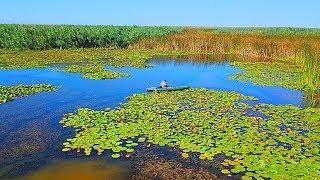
312,100
9,93
207,123
43,37
311,66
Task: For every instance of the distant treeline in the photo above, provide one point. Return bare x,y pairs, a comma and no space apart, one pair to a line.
41,37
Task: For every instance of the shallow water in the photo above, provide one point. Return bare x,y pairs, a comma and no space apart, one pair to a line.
31,136
80,169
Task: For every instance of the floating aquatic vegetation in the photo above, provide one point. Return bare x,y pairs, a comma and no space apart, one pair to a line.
273,74
94,72
89,62
208,122
115,156
185,155
101,56
9,93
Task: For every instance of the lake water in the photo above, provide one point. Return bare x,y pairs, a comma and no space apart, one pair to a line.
30,134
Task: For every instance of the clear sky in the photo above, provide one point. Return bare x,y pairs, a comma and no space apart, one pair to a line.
295,13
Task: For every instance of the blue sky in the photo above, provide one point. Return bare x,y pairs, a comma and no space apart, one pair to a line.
294,13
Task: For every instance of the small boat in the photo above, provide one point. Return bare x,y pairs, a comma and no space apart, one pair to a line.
177,88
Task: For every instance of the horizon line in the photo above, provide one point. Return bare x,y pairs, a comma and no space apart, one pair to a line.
140,25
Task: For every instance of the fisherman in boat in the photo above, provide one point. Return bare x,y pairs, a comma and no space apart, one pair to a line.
164,84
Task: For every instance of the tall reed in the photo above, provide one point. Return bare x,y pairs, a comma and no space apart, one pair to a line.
44,37
254,45
311,73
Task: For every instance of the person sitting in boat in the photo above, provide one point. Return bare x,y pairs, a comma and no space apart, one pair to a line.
164,84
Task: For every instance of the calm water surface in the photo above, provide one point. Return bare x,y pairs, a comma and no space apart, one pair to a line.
31,136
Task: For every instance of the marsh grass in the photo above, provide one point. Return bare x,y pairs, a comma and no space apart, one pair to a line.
44,37
233,42
311,74
312,100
